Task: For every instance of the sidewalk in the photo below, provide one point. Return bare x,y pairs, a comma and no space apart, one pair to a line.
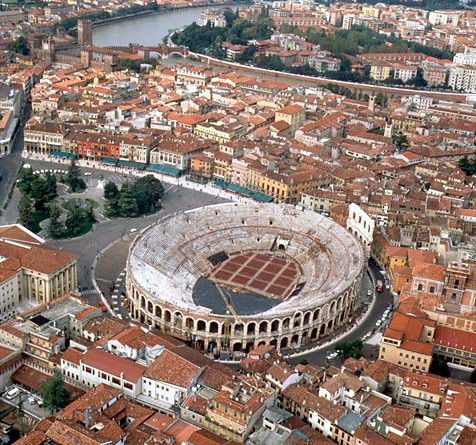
180,182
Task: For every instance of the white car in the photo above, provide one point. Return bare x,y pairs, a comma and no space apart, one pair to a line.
87,174
31,400
12,393
378,323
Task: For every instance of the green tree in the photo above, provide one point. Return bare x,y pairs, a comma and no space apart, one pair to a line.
54,393
247,55
352,349
147,192
127,203
467,166
25,210
73,178
19,46
74,220
55,226
51,186
439,366
39,192
401,141
111,191
26,178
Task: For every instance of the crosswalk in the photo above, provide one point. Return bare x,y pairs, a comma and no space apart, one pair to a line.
118,299
89,292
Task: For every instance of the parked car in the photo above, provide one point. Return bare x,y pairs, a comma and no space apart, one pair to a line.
12,393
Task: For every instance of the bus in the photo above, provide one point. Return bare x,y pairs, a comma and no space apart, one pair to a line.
379,286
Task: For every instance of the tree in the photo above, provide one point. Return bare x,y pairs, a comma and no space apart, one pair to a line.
401,141
39,192
54,393
111,191
73,178
74,220
467,166
25,210
19,46
26,178
55,227
247,55
439,366
127,203
352,349
51,186
147,192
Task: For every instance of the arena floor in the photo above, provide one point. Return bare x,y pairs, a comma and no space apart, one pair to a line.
261,273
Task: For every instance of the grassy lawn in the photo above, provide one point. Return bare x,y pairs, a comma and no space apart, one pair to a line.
84,221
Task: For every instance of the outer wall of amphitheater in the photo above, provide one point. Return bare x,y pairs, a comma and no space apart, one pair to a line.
222,333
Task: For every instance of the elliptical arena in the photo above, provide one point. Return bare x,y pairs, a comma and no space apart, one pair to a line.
230,277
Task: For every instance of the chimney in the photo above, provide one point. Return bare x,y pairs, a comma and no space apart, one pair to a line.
86,418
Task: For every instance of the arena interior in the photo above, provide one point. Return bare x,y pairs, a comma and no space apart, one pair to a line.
229,277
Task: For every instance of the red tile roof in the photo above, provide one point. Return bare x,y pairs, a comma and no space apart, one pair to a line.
117,366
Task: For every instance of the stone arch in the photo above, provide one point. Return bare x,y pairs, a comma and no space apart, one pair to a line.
237,346
314,334
286,323
211,346
262,343
306,319
284,343
330,325
189,323
251,328
249,346
317,314
238,329
200,345
263,327
142,302
275,326
178,319
339,302
273,343
167,316
333,308
150,307
213,327
201,325
297,319
295,341
158,311
322,330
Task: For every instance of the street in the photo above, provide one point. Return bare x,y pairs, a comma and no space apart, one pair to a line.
109,241
382,301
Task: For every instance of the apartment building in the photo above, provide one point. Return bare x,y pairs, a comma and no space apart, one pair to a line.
462,78
234,411
407,341
31,271
41,333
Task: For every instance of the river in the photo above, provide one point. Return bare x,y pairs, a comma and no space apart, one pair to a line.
147,29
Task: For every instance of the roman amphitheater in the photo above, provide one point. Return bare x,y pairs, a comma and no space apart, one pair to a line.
229,277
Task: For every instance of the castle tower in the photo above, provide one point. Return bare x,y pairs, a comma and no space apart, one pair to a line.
85,32
47,52
388,129
371,103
